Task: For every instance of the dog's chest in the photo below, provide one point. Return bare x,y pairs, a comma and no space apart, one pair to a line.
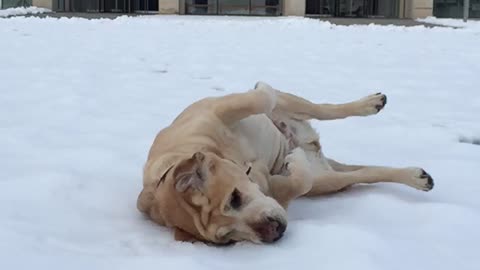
259,139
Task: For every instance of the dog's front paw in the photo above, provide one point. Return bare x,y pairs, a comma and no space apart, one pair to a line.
298,167
267,94
420,179
371,104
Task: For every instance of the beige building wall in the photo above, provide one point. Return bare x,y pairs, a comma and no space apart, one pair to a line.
294,7
169,6
42,3
415,9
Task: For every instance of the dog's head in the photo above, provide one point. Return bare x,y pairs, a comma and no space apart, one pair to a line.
211,199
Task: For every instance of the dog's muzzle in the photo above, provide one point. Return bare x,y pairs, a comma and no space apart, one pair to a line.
270,230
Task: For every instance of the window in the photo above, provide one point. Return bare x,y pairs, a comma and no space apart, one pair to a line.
234,7
120,6
454,8
353,8
15,3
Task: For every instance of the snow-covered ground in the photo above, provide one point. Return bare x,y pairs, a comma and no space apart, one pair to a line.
81,101
22,11
469,24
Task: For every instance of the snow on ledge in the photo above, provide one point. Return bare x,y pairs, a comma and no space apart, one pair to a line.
470,24
22,11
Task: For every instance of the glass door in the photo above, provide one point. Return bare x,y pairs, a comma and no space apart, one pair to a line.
85,6
265,7
118,6
353,8
382,8
145,6
321,7
234,7
201,7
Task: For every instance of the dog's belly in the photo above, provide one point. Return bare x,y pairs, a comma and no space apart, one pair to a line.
261,140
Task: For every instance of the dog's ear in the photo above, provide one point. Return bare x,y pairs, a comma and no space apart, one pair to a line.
145,200
147,197
147,204
189,173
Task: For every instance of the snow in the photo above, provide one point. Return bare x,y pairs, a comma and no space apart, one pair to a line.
81,101
470,23
22,11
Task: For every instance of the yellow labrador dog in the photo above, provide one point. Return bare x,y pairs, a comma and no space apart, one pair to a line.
227,167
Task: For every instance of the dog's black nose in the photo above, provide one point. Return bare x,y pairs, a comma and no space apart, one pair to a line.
281,229
270,230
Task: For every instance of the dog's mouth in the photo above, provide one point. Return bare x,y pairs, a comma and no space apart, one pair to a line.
223,244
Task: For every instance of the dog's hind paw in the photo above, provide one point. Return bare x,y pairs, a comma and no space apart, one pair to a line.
421,180
296,158
371,104
298,167
270,95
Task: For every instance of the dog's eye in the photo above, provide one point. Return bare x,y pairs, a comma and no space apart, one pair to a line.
235,199
249,170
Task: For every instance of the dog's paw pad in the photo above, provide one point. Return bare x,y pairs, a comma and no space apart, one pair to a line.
372,104
422,180
429,180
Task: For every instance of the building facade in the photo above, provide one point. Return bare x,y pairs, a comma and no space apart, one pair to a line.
314,8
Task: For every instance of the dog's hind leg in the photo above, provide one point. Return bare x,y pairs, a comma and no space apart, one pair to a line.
346,175
340,167
235,107
296,181
299,108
